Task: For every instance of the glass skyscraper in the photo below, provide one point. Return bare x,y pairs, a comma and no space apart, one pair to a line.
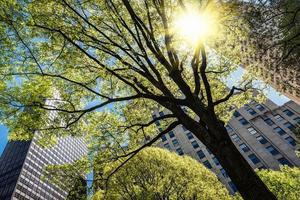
22,164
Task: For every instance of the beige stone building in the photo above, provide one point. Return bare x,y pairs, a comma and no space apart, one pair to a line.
261,132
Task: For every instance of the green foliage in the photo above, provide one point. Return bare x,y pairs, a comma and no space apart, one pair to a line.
156,174
285,184
82,49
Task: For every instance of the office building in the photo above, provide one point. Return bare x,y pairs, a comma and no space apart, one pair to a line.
22,164
262,133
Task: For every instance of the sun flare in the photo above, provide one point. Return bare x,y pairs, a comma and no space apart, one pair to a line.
194,26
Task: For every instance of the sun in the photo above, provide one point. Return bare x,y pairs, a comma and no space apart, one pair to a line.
195,26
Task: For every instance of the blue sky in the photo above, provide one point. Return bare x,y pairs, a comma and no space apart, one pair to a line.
3,137
234,77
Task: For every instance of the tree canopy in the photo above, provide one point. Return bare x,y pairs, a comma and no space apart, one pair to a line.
63,61
285,183
159,174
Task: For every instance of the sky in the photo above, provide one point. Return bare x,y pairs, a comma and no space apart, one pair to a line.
234,77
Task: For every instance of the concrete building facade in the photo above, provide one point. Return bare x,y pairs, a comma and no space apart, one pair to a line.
261,132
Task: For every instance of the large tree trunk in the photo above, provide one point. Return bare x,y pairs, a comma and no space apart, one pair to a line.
241,173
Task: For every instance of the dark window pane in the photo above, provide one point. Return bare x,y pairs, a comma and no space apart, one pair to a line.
289,126
288,112
175,142
179,151
171,134
207,164
189,135
269,121
236,114
195,144
157,123
291,141
297,120
163,138
284,161
161,113
279,130
272,150
254,158
243,121
244,147
216,161
261,139
251,111
167,146
260,107
200,154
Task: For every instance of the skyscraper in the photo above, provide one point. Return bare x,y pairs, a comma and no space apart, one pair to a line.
22,164
262,133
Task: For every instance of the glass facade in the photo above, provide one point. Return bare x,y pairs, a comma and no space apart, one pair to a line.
22,165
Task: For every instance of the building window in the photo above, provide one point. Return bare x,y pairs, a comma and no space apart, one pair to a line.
235,138
288,112
171,134
278,118
289,126
244,147
243,121
261,139
163,138
254,158
297,120
208,151
161,113
216,161
251,111
262,167
272,150
269,121
167,146
252,131
157,123
189,135
284,161
259,107
175,142
232,186
224,173
228,128
236,114
195,144
279,130
291,141
179,151
207,164
200,154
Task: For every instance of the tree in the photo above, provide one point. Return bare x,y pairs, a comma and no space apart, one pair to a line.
275,35
155,173
276,26
285,183
130,56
